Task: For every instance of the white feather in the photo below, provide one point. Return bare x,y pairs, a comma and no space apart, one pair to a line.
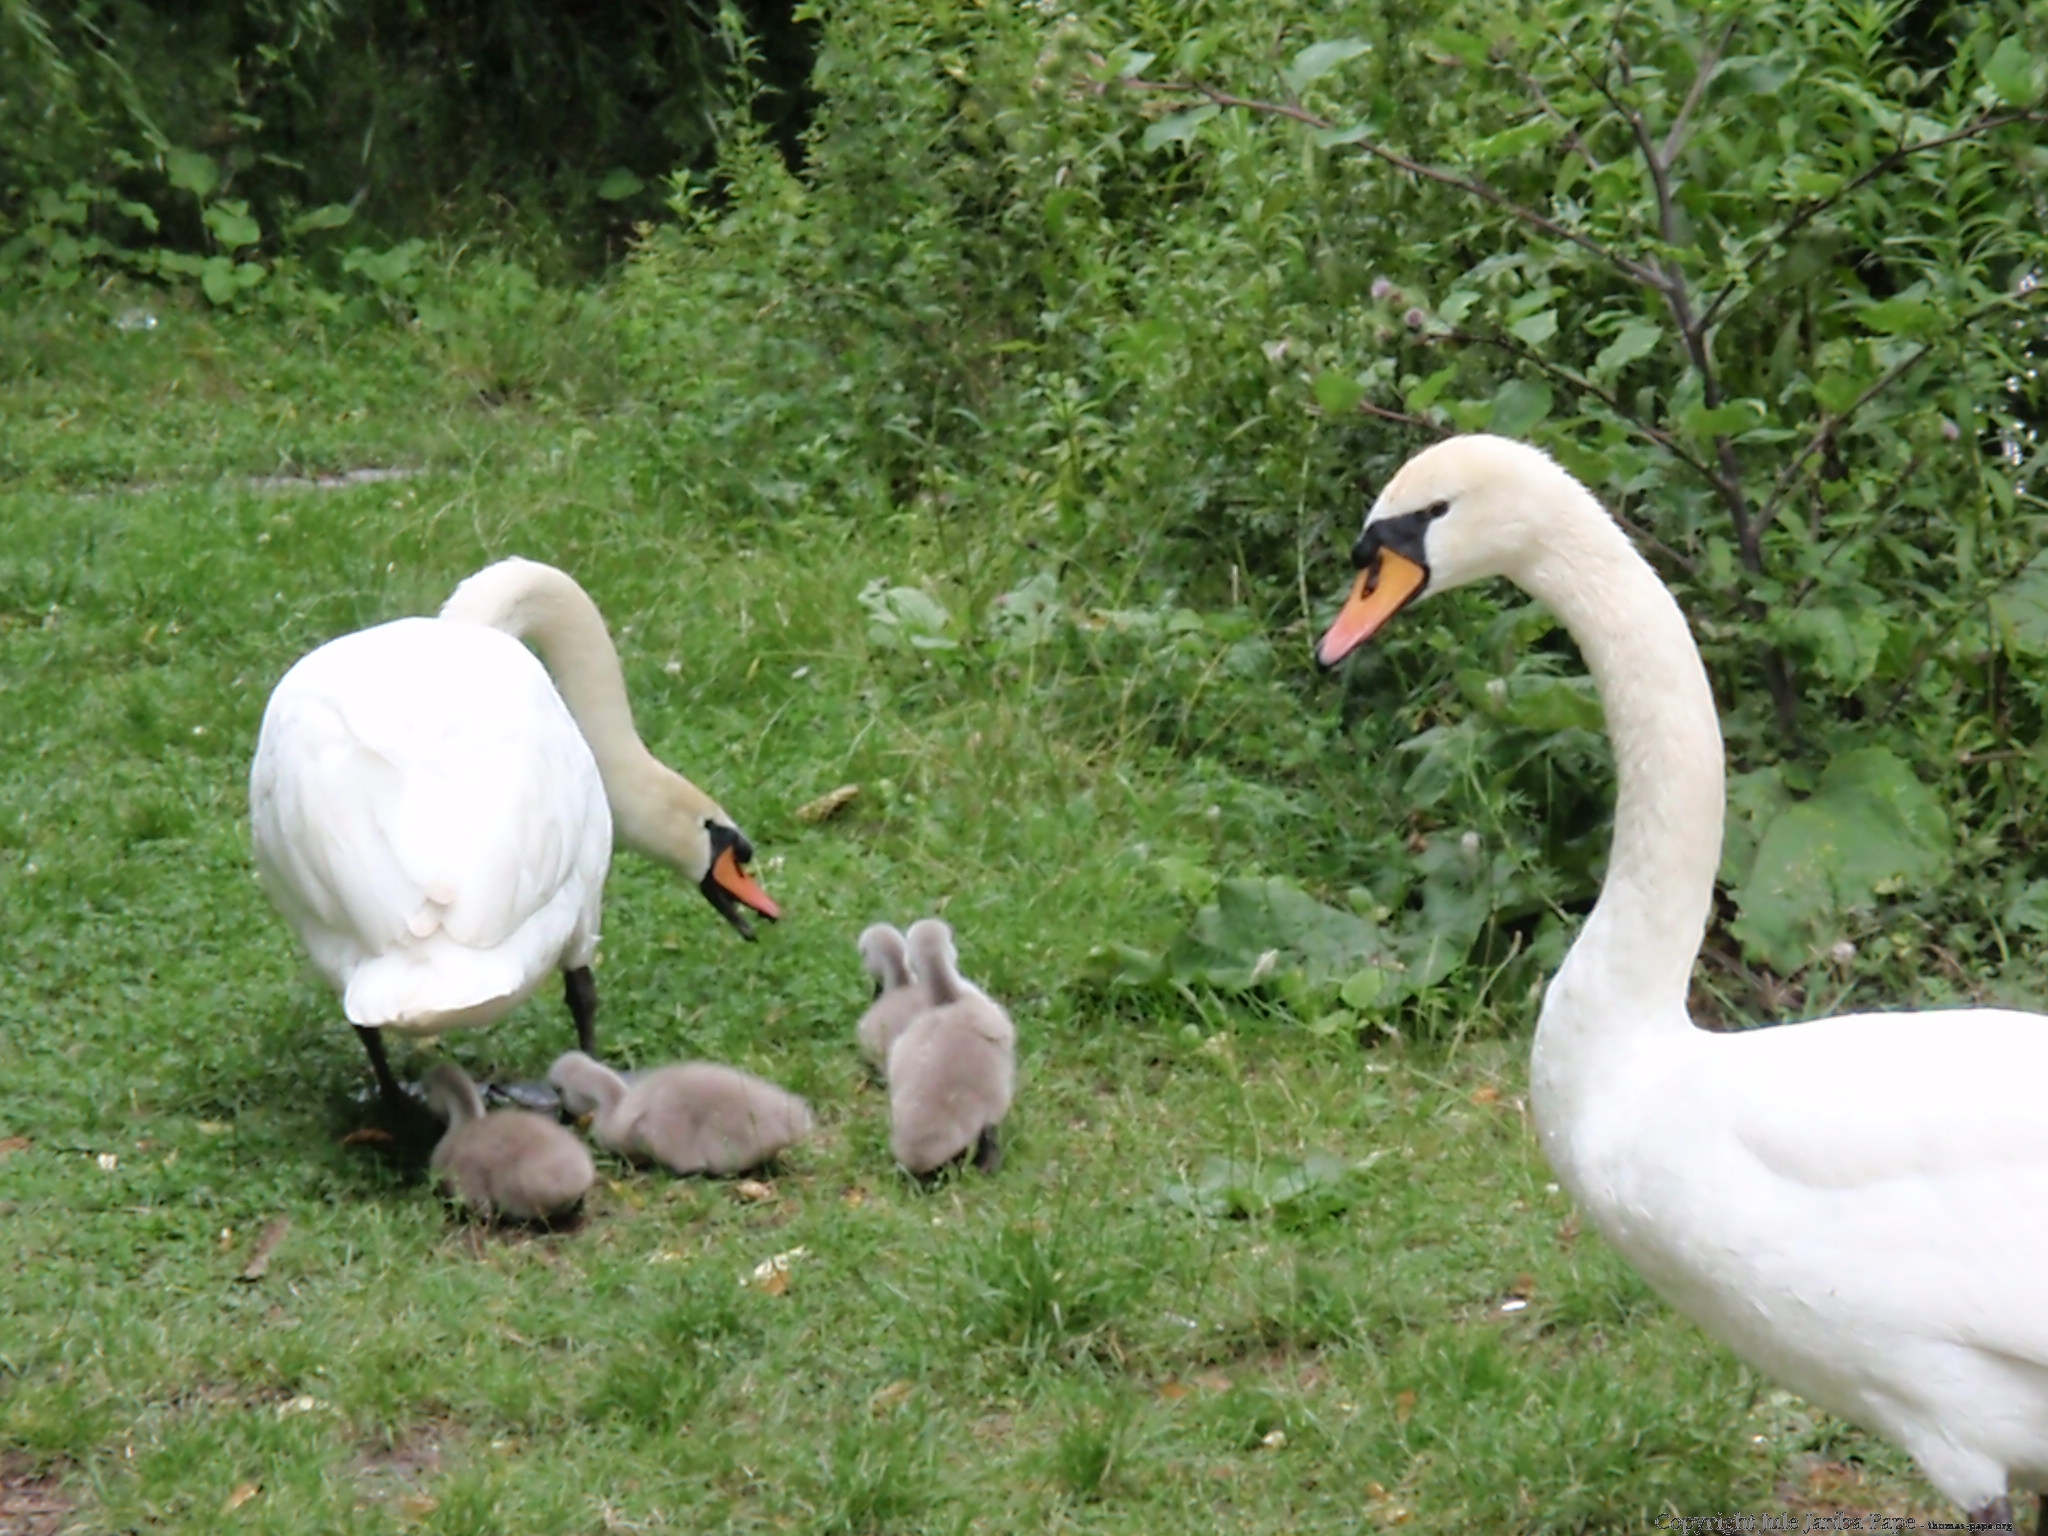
429,818
1852,1204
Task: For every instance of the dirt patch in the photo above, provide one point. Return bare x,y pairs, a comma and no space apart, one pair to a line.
402,1469
32,1502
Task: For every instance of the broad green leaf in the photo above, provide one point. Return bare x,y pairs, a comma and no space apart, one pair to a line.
1423,395
1842,642
1722,419
1836,392
326,216
142,213
1329,137
1638,338
2019,610
387,268
1318,59
1536,329
1178,128
1510,142
1338,393
1902,316
191,171
2028,910
619,184
1872,829
2012,73
1364,988
1517,406
231,225
1462,46
217,277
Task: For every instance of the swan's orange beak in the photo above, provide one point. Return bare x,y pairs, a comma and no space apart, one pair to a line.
736,882
1382,590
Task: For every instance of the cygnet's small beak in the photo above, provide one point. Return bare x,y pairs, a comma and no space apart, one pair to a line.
1383,588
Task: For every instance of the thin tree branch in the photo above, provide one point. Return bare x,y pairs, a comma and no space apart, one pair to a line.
1648,276
1727,480
1421,423
1572,141
1710,61
1982,124
1606,397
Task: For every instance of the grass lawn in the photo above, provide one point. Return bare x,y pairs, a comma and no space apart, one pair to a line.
1102,1337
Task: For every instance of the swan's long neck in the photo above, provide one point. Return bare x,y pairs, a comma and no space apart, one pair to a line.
1626,978
545,607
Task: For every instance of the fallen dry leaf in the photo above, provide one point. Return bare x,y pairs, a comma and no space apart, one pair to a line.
240,1496
891,1396
1173,1389
1213,1381
1404,1405
1274,1439
771,1276
1486,1095
831,803
755,1190
854,1198
367,1136
259,1256
9,1145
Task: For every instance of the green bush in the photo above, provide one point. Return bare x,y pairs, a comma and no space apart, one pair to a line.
1147,304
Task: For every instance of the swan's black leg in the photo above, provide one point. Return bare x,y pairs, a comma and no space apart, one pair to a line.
396,1097
1996,1513
579,990
988,1152
2041,1515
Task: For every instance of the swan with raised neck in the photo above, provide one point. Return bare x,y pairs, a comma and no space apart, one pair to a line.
1851,1204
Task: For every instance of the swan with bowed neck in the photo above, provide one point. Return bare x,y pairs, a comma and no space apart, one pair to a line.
1847,1203
433,809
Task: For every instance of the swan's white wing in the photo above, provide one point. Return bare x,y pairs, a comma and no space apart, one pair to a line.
428,816
1827,1195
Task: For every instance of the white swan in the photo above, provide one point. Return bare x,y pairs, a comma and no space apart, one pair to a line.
435,815
1852,1205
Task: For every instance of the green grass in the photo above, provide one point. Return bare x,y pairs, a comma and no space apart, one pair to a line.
1060,1347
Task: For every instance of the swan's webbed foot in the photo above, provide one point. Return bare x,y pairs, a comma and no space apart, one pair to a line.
1997,1513
541,1098
988,1151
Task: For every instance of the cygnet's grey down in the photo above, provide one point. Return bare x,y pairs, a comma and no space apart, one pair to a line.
509,1162
694,1118
953,1071
899,996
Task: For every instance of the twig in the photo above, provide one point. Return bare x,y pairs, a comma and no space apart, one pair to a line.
1607,397
1710,61
1422,422
1645,275
1830,426
1982,124
1572,141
